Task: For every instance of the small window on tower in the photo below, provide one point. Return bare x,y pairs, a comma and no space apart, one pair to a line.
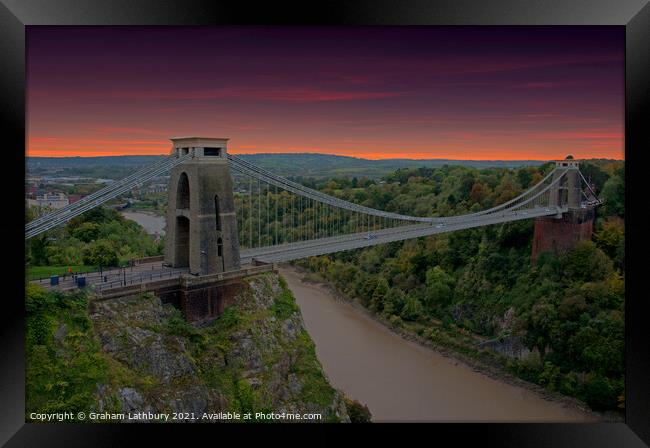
212,152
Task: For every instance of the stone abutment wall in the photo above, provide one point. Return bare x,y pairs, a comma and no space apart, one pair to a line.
558,236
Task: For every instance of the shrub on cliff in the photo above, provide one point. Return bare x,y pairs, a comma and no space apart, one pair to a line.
359,413
599,392
64,362
284,305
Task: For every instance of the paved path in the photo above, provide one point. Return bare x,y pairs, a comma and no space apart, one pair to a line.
117,276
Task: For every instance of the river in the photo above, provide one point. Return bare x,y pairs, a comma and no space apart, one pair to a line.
152,223
401,380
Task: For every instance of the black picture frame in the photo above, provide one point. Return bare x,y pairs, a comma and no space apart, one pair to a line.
633,14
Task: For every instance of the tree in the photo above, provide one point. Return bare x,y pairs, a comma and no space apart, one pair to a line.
479,192
613,196
619,260
439,287
96,215
378,295
100,253
369,261
594,174
598,346
29,213
571,307
359,413
599,393
412,309
394,301
366,288
586,263
507,189
86,232
539,326
610,235
466,184
525,177
65,252
38,249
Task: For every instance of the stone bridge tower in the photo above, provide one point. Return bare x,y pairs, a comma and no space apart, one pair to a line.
567,191
560,234
201,228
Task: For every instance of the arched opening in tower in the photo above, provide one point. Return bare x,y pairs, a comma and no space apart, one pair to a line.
182,241
183,192
220,254
217,212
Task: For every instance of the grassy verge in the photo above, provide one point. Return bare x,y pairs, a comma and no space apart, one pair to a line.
36,272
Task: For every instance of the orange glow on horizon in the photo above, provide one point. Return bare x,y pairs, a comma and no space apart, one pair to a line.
52,147
495,93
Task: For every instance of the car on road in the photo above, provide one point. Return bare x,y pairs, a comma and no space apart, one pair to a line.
370,236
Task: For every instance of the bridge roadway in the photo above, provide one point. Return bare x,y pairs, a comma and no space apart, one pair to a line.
292,251
322,246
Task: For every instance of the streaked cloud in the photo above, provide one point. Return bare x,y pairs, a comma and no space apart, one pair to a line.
419,92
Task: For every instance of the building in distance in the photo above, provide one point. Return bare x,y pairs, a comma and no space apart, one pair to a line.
51,200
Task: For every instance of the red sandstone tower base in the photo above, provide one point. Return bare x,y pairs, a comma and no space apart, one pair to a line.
559,235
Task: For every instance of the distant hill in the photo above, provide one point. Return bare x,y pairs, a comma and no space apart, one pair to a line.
298,164
318,165
76,162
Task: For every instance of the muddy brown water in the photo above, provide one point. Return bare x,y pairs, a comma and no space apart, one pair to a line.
152,223
401,380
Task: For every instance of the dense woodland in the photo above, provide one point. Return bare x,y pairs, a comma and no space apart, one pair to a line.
568,310
99,237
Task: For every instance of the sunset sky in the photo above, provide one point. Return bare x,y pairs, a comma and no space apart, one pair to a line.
373,92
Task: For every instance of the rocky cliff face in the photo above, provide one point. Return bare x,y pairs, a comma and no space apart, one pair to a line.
256,357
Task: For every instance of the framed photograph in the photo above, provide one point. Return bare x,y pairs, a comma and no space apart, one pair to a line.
356,212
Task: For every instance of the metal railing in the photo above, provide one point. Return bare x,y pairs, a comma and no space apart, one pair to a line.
138,279
178,273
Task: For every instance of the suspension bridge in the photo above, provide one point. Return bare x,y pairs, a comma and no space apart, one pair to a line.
226,214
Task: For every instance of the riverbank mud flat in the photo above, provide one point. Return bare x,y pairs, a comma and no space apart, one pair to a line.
402,380
152,222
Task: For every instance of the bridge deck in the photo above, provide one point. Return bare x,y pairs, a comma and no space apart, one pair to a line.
322,246
155,271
